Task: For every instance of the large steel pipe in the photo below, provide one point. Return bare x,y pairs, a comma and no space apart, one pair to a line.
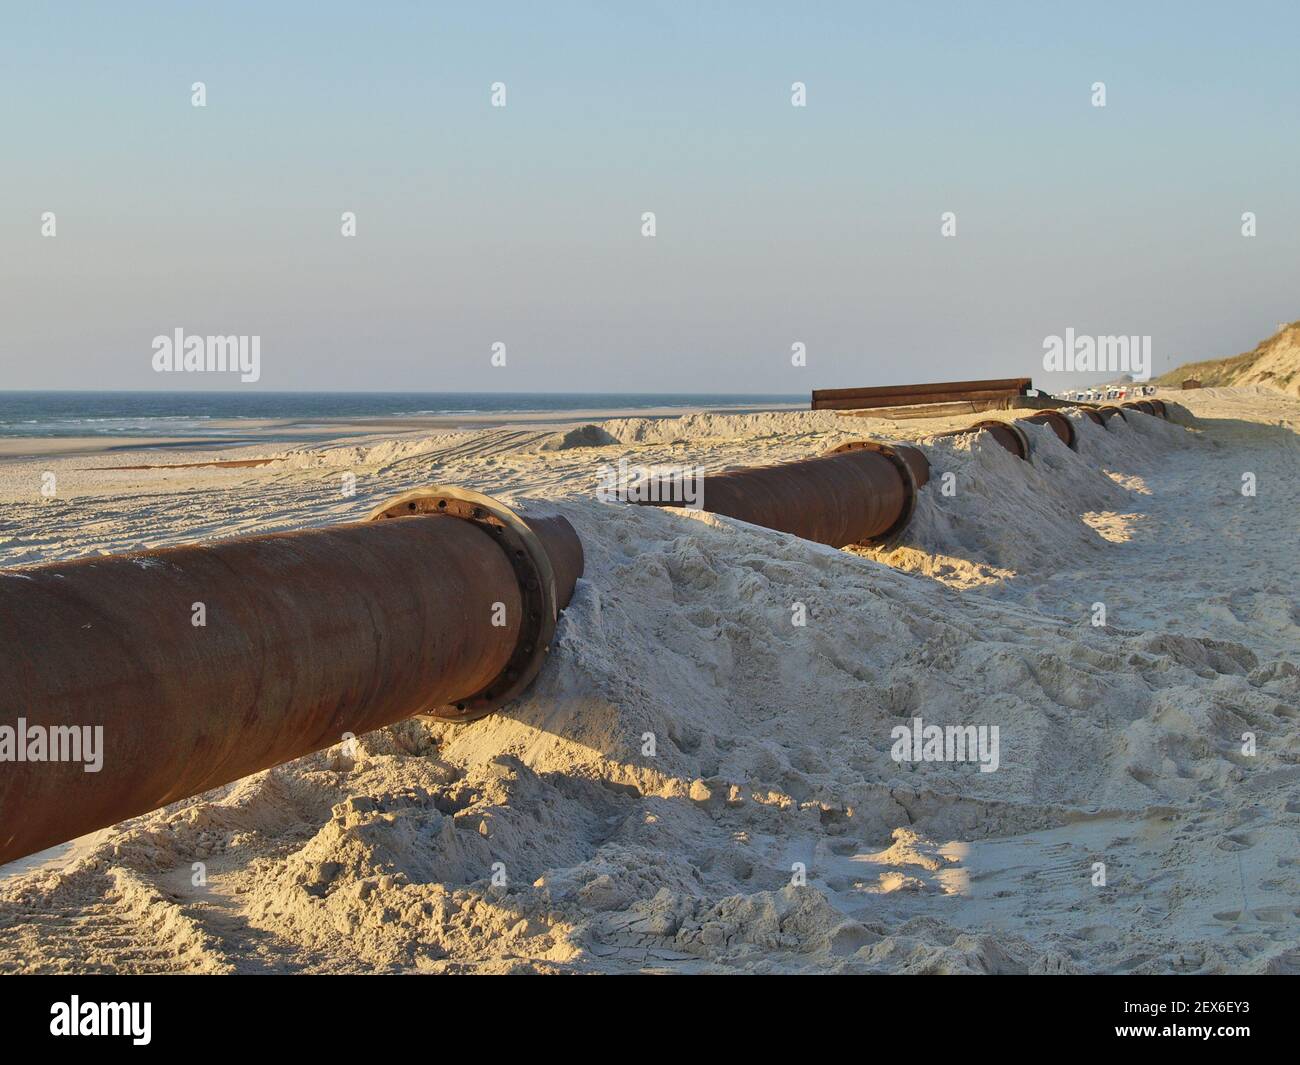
913,456
1013,439
173,671
1010,437
855,496
1058,423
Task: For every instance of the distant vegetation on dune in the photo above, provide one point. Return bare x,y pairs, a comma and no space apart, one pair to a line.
1274,362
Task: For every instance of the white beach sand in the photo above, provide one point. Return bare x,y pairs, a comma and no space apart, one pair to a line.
1119,745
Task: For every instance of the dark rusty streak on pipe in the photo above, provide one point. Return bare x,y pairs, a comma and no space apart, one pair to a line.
308,635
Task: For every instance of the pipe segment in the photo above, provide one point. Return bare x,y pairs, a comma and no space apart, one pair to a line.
860,493
198,665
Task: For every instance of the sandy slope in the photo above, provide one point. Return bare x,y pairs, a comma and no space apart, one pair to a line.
1274,362
772,742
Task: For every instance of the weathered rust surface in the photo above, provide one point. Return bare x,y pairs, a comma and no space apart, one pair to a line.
902,395
915,458
1092,415
536,549
905,399
1057,422
1007,435
1140,404
308,635
1109,411
847,497
934,410
1159,406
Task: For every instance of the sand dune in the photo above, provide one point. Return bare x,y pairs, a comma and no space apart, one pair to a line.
1274,362
772,742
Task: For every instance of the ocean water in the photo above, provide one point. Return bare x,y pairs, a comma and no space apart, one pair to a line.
202,414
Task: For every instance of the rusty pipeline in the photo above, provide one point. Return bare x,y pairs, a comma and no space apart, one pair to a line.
1009,435
913,456
1058,423
1015,440
1017,443
860,493
201,664
1062,426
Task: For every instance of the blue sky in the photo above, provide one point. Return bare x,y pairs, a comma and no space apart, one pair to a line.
522,224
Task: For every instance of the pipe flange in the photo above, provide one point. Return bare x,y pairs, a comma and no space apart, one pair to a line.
532,568
851,445
1022,438
1114,410
904,471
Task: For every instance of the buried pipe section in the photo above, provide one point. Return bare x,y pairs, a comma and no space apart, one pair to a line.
863,492
1058,423
1010,436
133,681
1015,441
914,457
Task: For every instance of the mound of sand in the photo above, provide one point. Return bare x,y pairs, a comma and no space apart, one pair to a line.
699,427
1274,362
583,436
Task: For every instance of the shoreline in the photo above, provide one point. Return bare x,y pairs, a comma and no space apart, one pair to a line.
267,432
